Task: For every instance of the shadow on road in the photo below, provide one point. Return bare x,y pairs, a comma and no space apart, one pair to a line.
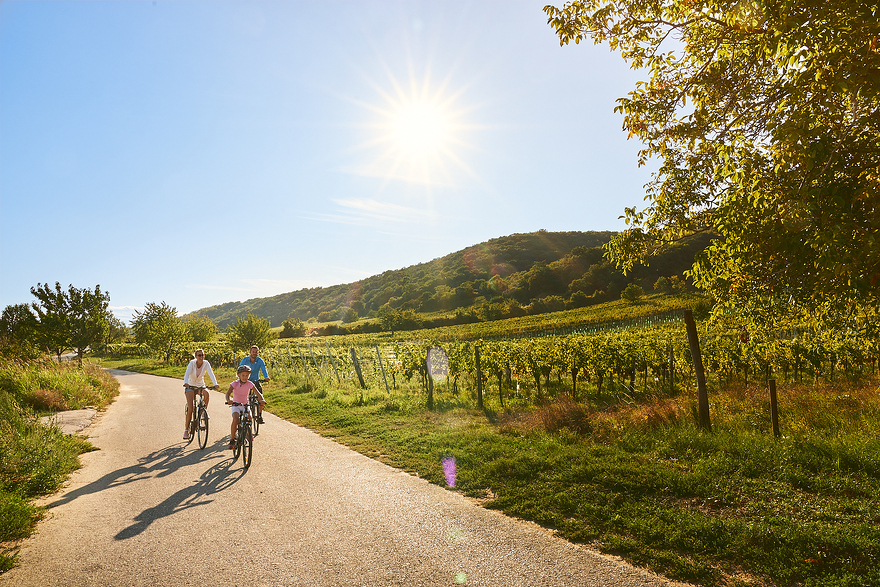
161,463
217,478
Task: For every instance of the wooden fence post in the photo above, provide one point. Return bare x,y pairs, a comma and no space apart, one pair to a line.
302,359
318,369
430,382
479,378
333,362
357,368
381,366
774,411
702,394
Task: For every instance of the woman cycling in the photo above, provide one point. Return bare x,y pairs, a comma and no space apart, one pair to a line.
193,378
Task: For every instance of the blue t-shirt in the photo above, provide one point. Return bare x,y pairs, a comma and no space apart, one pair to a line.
256,367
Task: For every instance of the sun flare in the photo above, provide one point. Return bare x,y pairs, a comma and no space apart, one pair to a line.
417,133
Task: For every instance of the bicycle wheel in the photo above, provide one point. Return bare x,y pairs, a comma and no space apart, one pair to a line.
202,421
192,424
238,441
247,448
255,423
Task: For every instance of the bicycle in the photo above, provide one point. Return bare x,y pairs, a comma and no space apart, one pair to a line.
198,423
254,404
244,438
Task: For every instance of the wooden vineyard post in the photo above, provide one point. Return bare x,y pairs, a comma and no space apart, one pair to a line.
774,411
318,369
702,394
290,360
381,366
333,362
302,359
479,378
357,368
430,382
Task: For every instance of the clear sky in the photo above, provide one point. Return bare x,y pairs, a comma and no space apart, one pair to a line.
198,152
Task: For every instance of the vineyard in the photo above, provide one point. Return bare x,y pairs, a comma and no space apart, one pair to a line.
625,359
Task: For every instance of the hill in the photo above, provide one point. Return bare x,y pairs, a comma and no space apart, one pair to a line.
507,276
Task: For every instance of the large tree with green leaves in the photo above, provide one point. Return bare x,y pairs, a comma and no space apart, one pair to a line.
72,319
764,117
89,318
200,328
248,331
18,328
159,328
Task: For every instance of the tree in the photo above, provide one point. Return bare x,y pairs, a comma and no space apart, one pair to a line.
75,319
116,330
765,120
159,328
200,328
348,315
53,334
249,331
88,318
292,328
18,322
390,318
662,285
632,293
18,328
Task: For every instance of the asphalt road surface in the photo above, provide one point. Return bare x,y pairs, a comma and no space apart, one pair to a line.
147,509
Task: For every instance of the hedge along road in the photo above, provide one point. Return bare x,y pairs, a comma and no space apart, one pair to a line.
147,509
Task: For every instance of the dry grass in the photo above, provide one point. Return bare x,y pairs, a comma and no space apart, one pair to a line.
803,409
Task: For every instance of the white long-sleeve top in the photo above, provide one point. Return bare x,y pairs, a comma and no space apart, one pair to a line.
195,376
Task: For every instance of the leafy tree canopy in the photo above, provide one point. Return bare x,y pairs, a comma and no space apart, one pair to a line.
72,319
159,328
765,119
200,328
248,331
18,328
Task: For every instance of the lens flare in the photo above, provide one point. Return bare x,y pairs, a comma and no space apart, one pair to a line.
449,470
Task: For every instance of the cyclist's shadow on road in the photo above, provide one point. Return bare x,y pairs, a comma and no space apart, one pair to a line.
161,463
219,477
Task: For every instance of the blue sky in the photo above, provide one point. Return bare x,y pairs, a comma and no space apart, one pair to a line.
198,153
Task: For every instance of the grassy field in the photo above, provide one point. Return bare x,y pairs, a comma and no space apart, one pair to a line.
732,507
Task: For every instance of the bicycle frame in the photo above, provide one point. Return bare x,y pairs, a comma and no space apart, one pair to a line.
198,425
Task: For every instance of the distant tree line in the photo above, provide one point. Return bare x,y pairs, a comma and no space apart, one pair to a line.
507,277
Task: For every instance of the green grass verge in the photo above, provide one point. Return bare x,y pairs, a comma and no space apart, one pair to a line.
733,507
35,460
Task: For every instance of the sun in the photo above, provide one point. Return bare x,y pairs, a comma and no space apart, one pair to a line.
421,129
417,133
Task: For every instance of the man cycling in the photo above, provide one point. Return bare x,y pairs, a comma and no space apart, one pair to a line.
195,377
257,365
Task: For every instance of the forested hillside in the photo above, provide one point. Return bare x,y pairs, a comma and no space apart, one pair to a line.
513,275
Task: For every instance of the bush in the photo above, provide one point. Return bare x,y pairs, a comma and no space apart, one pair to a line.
292,328
632,293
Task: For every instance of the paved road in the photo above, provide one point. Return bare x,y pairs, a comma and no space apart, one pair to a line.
148,510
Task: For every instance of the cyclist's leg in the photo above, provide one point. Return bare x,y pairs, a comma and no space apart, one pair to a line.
206,396
233,428
190,396
259,407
